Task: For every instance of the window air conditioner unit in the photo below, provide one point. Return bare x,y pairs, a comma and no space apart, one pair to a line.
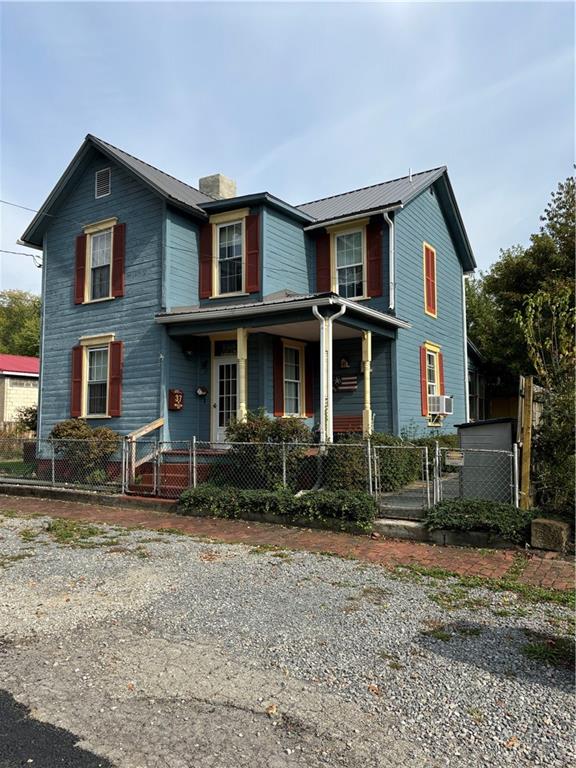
442,405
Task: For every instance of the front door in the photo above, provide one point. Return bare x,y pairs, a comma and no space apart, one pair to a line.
225,396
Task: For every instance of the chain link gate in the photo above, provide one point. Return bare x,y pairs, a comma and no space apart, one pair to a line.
402,480
476,473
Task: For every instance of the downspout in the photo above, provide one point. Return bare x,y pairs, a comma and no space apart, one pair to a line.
323,398
465,337
391,260
330,420
42,337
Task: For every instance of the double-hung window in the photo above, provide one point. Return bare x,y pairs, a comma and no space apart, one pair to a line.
100,264
230,257
433,382
97,381
350,264
293,380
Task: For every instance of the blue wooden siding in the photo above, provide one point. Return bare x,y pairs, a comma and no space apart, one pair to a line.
352,403
189,368
288,255
423,220
131,317
182,249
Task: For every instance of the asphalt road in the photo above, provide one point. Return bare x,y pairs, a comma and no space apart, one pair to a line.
25,741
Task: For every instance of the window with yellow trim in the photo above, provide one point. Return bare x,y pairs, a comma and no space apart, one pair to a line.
293,380
430,290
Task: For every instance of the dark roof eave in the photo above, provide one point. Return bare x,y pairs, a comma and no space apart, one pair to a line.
263,308
258,198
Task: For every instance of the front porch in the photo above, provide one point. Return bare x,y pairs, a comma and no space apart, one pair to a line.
323,359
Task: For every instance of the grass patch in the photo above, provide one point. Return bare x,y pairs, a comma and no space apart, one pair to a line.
508,583
468,630
29,534
456,598
7,560
549,649
477,715
437,630
174,532
375,595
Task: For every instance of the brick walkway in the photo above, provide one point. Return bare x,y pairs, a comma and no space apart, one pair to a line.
544,572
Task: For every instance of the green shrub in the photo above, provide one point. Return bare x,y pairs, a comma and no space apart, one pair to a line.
27,418
344,465
396,466
352,507
87,451
256,457
496,517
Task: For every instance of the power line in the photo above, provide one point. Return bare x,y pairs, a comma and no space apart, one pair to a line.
34,210
19,253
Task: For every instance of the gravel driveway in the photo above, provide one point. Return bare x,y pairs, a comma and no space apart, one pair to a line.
154,649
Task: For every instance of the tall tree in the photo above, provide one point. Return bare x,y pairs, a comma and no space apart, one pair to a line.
19,323
495,298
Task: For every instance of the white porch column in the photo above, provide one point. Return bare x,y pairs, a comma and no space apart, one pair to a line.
242,355
367,370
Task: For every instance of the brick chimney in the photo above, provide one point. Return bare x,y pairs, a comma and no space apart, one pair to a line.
218,186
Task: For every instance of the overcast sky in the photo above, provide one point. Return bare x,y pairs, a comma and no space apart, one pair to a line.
302,100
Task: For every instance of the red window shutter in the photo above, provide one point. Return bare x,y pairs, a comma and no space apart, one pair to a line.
253,253
430,279
374,258
441,374
118,251
278,377
115,378
76,390
80,277
309,372
323,282
423,382
205,261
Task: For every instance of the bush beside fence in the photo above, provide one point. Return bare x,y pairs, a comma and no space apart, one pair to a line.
343,510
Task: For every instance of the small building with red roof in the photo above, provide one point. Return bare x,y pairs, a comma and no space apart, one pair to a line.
18,385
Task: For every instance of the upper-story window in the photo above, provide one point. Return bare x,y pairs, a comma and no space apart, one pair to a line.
100,254
230,266
430,297
100,265
350,264
102,182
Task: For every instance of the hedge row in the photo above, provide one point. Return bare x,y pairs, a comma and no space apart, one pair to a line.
505,520
328,508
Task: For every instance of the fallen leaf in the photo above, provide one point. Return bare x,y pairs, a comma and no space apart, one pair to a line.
272,710
512,742
131,686
375,689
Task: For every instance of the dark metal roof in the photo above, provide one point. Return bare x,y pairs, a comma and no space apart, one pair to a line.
395,192
162,182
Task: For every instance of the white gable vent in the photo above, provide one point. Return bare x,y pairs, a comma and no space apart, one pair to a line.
103,182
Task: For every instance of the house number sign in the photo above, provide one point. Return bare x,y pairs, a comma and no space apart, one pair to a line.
175,399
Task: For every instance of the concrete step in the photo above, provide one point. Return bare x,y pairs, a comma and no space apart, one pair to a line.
402,513
413,530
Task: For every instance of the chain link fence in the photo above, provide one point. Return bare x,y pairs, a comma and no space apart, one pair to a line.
85,464
402,477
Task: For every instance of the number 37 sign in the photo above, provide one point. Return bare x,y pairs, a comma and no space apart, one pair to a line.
175,399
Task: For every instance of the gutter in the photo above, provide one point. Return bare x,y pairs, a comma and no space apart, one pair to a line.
359,215
262,309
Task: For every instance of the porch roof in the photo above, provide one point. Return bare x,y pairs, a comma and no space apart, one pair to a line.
286,306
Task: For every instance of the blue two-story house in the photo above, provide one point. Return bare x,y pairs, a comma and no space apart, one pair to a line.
183,308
